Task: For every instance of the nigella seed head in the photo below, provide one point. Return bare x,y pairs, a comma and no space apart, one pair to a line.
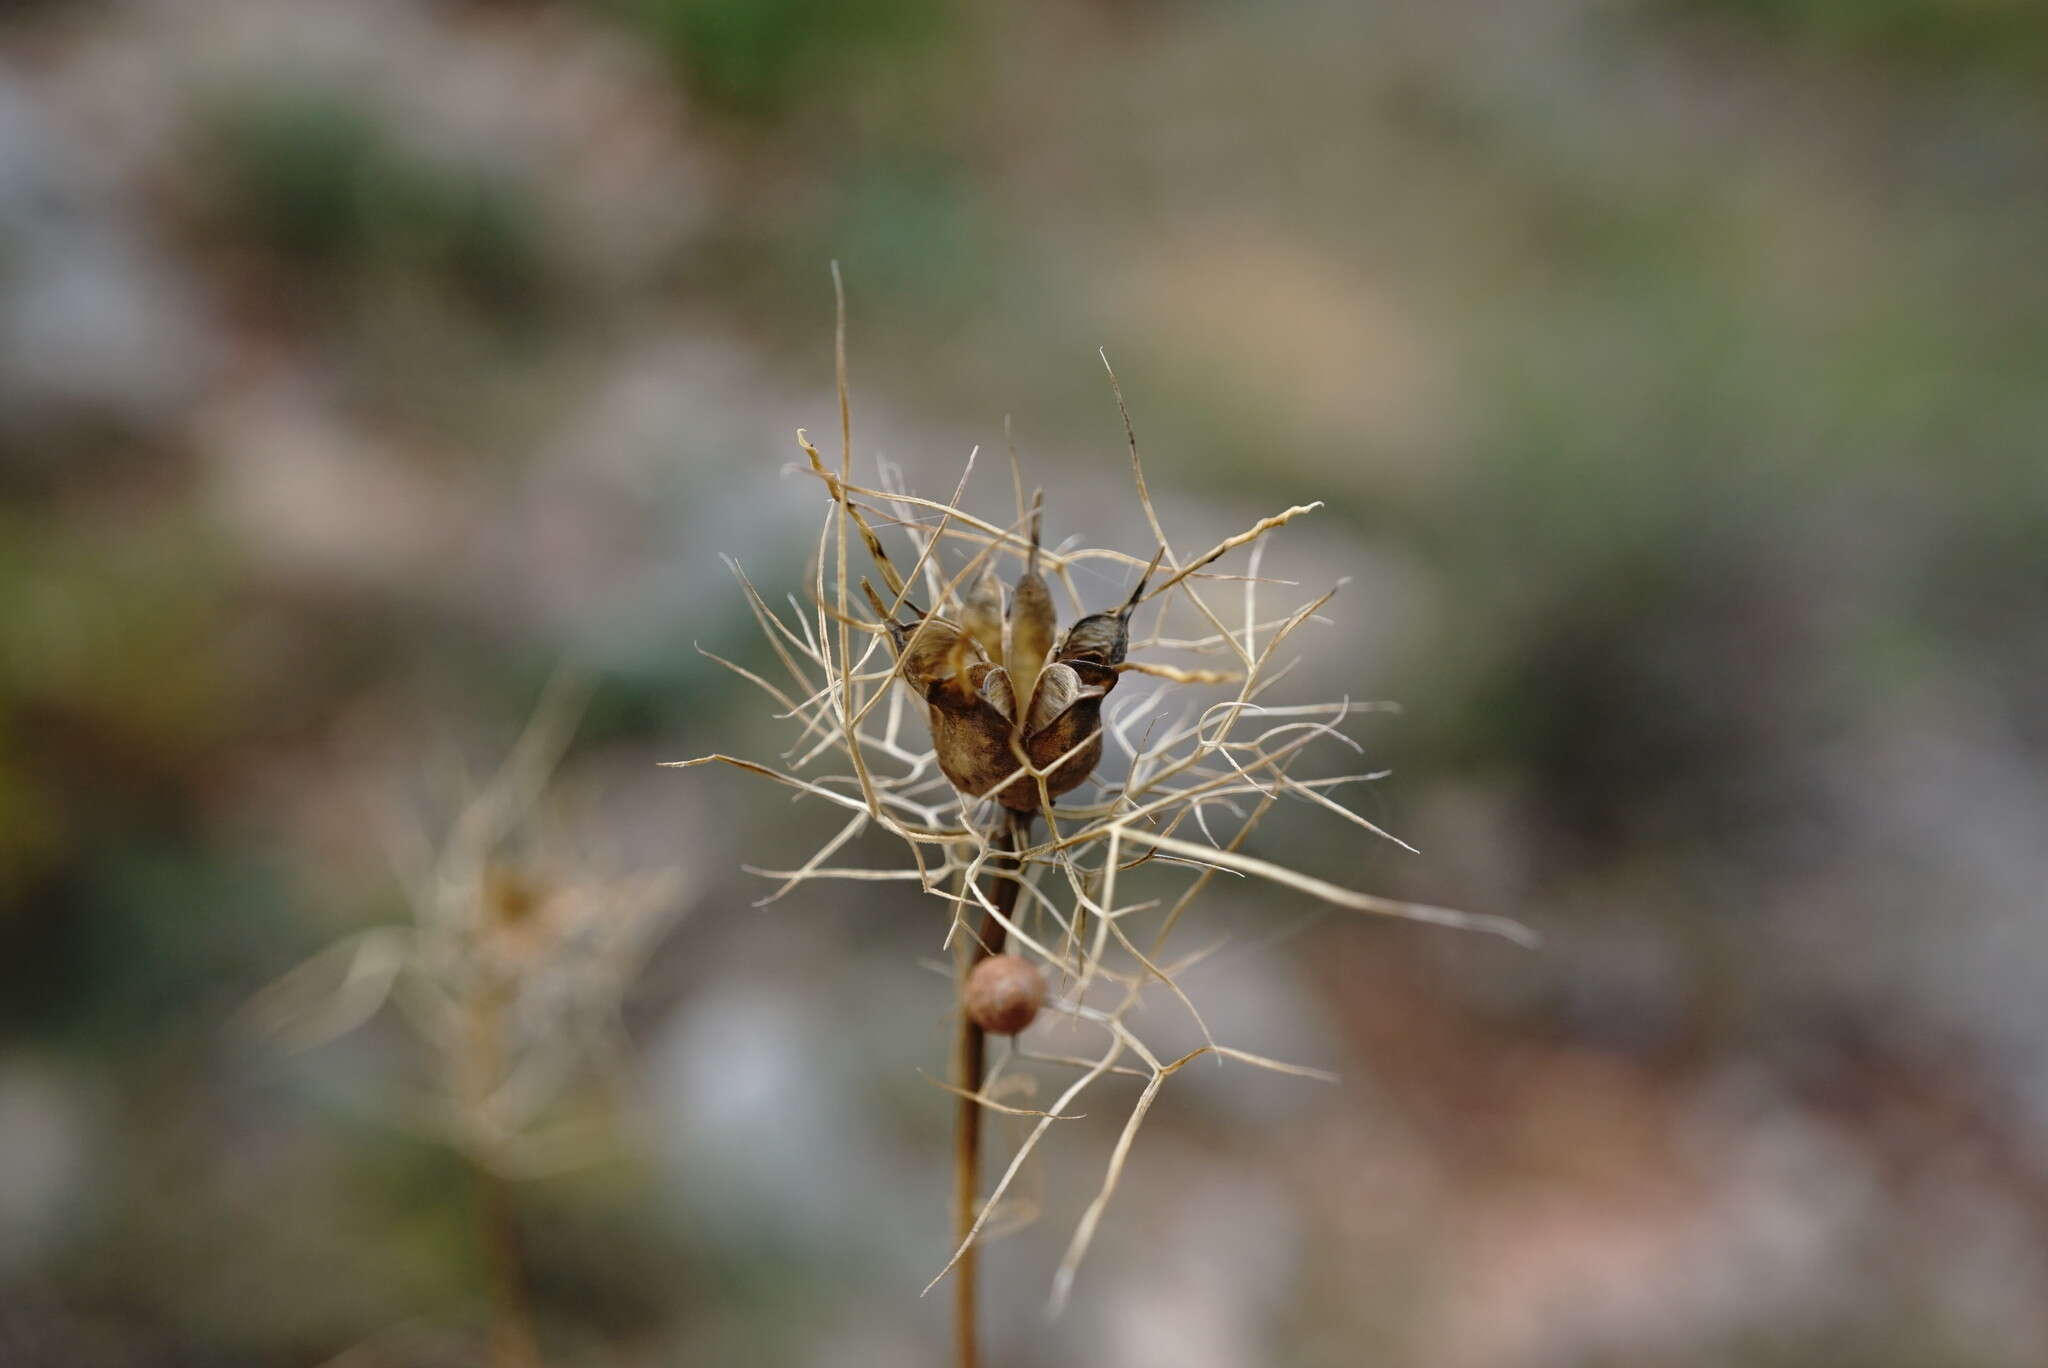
1010,700
1015,713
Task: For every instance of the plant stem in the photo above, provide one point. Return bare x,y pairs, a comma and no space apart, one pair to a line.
513,1341
1002,891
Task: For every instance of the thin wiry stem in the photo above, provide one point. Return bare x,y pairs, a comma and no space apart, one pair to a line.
971,1049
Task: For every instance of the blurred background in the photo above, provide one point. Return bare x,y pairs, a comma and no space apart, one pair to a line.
1674,376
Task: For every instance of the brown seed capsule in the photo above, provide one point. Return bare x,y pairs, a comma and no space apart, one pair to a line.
1004,993
993,718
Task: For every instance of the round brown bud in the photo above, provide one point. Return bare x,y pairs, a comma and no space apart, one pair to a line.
1004,993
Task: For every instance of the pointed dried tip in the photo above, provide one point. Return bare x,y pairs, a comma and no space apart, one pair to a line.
875,602
803,440
881,608
1037,521
1131,603
876,553
1016,470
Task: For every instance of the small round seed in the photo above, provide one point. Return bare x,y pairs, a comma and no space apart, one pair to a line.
1004,993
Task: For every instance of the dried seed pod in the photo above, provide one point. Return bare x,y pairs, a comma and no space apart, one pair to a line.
1059,688
1066,716
992,682
1003,994
1103,638
972,741
982,615
938,659
990,719
1032,626
1100,638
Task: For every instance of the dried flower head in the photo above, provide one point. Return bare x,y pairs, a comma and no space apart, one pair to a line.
511,973
1020,736
998,704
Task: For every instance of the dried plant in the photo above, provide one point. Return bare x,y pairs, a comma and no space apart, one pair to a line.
1019,733
511,976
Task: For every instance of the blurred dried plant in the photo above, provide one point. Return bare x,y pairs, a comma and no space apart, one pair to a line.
1018,725
512,976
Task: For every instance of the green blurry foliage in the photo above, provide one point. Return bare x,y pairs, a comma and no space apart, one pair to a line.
917,230
102,654
888,90
116,698
315,179
170,935
277,1248
2009,35
30,834
759,59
